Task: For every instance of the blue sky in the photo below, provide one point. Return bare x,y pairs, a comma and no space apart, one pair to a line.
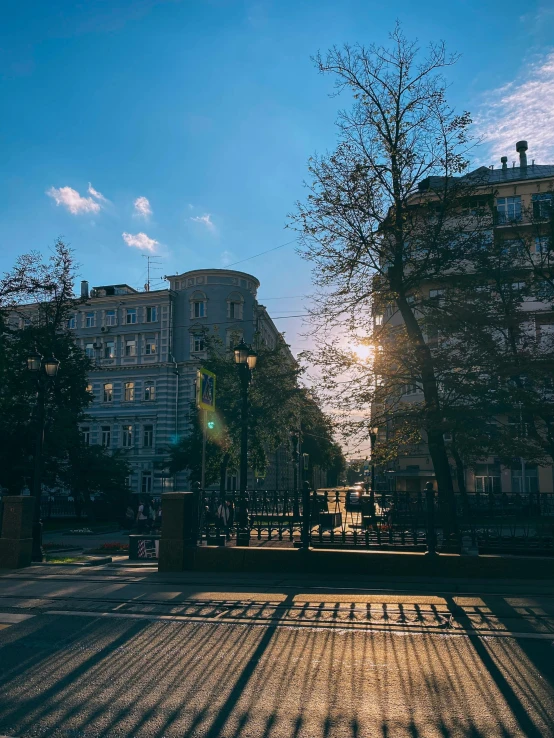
194,121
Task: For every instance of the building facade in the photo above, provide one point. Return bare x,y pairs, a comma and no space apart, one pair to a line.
146,347
519,201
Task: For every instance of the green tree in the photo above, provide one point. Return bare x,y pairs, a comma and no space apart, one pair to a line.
40,293
277,405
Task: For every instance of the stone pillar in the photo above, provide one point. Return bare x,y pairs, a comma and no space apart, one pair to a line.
179,531
16,536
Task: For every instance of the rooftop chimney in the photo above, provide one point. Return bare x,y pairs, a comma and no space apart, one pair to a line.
504,160
521,148
84,289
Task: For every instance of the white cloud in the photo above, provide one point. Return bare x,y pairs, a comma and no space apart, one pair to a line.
205,220
72,200
97,195
142,207
522,109
140,241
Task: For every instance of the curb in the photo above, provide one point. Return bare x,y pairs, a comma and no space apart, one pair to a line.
383,563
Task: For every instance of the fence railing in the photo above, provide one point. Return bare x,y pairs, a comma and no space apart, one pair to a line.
61,509
342,518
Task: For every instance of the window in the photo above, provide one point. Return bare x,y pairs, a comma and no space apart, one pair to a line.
512,247
198,305
71,322
89,389
149,391
86,435
435,294
485,484
108,392
234,306
110,317
197,342
130,348
126,436
531,483
378,320
146,483
542,205
109,349
89,350
129,391
131,315
476,208
150,347
148,436
232,339
151,314
235,310
106,436
544,290
518,286
508,209
90,320
411,389
541,244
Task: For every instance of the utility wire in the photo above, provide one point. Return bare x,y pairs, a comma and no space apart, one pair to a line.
261,253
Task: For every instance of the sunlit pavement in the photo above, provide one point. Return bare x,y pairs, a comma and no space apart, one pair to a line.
125,651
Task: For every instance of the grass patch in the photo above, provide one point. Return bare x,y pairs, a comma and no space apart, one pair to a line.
54,559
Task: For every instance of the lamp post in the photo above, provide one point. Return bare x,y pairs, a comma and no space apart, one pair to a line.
373,439
44,371
245,359
295,438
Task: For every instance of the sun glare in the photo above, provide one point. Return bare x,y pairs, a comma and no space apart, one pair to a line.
363,351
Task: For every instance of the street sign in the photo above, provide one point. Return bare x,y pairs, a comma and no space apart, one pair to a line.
205,389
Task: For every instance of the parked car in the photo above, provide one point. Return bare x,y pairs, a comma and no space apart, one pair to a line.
353,498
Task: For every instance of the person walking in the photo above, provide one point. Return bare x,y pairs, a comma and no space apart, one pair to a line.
222,520
142,517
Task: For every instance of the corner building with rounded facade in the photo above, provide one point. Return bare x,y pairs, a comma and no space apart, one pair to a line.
146,348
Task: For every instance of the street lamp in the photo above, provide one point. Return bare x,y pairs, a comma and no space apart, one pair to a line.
245,359
373,438
44,371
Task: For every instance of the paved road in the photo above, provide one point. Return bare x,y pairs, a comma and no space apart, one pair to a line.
124,652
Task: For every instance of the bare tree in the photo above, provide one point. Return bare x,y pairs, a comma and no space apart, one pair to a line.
383,216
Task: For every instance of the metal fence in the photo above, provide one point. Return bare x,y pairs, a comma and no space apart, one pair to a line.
340,518
60,508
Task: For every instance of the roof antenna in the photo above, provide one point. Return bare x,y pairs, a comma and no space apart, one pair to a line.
150,260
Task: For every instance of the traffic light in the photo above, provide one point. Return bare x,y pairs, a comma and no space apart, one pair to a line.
211,424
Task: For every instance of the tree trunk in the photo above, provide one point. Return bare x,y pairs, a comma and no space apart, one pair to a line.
435,437
223,472
461,477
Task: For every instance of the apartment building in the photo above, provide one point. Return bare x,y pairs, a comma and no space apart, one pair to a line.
520,199
146,347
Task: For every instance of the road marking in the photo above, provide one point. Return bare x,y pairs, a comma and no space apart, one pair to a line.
10,618
278,621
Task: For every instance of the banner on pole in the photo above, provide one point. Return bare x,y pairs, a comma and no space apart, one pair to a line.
205,389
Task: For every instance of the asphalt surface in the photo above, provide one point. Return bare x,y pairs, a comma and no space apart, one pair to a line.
124,651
